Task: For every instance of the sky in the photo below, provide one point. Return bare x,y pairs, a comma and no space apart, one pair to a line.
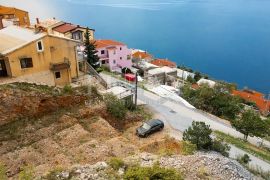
36,8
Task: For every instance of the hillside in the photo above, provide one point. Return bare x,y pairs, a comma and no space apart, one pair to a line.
45,130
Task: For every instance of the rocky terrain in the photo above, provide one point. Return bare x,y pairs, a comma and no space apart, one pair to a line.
52,131
198,166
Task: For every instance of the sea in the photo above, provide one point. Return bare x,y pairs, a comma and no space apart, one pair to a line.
226,39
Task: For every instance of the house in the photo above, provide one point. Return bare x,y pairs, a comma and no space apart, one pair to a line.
115,55
164,62
208,82
184,74
162,75
256,97
37,57
72,31
64,29
14,16
48,24
138,56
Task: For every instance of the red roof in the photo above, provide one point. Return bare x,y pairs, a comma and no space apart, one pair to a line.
142,55
107,43
64,28
256,97
195,86
163,62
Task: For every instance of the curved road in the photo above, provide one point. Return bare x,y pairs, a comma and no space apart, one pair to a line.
180,117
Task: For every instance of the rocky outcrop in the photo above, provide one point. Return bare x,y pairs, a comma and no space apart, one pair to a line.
199,166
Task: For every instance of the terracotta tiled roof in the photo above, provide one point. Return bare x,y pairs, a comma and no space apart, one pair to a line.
64,28
256,97
163,62
142,55
195,86
106,43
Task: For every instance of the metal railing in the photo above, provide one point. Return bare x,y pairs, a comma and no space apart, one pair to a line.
90,70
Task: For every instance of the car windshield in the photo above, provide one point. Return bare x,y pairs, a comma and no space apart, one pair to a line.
146,126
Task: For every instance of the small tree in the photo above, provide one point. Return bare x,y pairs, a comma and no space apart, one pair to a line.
250,124
245,159
197,76
90,50
199,134
115,106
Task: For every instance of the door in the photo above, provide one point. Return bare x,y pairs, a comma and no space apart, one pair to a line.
3,70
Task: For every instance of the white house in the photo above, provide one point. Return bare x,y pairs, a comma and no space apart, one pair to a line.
208,82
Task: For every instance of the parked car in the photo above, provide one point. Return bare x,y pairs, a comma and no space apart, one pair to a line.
149,127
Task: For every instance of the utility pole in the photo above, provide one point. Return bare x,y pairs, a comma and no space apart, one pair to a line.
136,89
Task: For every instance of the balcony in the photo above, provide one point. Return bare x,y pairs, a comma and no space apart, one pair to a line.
60,66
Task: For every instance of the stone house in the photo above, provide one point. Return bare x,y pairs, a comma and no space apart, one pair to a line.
37,57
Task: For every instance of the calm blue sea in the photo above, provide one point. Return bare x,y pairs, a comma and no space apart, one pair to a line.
226,39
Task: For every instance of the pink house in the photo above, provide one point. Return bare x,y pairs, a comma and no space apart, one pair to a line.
113,54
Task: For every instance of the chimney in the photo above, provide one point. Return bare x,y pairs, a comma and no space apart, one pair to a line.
37,20
1,22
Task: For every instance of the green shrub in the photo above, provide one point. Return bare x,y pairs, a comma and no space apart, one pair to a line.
220,146
115,106
105,68
26,173
188,148
245,159
99,70
3,175
151,173
199,134
67,89
116,163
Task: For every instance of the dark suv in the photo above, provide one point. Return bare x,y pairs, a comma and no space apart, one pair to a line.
149,127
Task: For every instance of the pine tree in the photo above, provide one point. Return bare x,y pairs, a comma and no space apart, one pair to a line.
90,50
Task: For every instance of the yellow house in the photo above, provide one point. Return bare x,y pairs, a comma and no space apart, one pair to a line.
14,16
37,57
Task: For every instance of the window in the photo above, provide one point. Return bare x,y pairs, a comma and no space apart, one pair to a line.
26,63
102,51
120,48
57,75
77,36
128,57
40,46
114,52
120,58
114,61
103,61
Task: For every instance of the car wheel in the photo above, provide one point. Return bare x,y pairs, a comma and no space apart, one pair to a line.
146,135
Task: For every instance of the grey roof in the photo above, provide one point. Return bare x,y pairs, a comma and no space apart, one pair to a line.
15,37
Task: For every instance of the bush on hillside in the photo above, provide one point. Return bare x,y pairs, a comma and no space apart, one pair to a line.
151,173
220,146
116,163
115,106
200,135
188,148
67,89
245,159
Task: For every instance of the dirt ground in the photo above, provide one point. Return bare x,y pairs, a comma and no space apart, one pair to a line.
69,138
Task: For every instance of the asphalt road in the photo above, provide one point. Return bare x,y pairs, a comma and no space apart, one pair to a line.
180,117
